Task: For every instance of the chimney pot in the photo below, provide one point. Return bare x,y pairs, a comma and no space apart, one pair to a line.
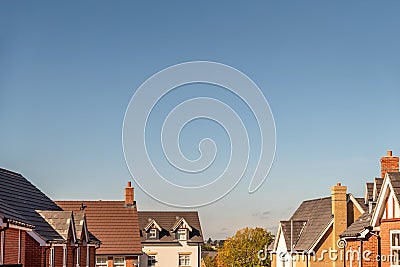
389,163
129,184
339,184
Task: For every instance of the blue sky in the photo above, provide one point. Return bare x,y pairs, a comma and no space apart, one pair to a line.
330,72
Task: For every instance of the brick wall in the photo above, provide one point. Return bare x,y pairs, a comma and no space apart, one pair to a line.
11,246
33,252
370,244
386,226
389,163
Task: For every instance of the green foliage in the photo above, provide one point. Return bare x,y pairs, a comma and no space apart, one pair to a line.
242,249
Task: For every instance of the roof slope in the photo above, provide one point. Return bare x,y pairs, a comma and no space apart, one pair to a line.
167,220
358,226
377,187
297,229
113,223
318,214
19,200
369,192
395,181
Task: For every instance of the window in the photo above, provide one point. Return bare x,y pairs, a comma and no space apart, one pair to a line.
151,260
101,262
182,234
395,247
153,233
119,262
184,260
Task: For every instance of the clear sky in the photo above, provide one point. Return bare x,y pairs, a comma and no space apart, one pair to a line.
329,69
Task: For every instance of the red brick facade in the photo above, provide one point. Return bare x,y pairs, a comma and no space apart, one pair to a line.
21,248
386,226
366,250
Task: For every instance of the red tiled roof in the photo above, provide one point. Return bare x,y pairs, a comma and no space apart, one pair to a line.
115,224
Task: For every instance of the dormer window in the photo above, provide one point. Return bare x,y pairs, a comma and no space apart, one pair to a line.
153,233
182,234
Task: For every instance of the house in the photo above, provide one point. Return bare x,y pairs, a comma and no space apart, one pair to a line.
374,239
170,238
116,224
315,228
35,232
363,232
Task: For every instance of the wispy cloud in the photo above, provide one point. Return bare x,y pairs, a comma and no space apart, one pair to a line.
262,215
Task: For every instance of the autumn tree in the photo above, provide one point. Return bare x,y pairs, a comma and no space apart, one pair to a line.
242,249
210,261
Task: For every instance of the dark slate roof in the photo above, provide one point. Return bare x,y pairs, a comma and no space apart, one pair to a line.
358,226
8,214
361,201
395,181
318,215
298,227
378,184
115,224
19,201
369,192
166,220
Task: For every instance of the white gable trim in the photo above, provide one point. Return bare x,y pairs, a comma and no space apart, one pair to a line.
277,237
355,202
151,223
178,223
386,189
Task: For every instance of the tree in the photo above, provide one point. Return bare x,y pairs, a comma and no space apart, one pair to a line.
242,249
210,261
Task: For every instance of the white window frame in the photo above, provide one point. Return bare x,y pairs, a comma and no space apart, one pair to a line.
51,257
392,248
185,258
102,264
87,256
151,232
185,234
65,253
119,264
152,256
78,256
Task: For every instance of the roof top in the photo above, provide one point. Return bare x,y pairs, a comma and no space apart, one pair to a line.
318,215
19,200
298,227
61,222
310,221
369,191
377,187
167,221
395,181
358,226
113,223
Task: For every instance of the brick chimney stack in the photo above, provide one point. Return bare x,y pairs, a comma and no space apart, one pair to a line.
129,195
389,163
339,212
